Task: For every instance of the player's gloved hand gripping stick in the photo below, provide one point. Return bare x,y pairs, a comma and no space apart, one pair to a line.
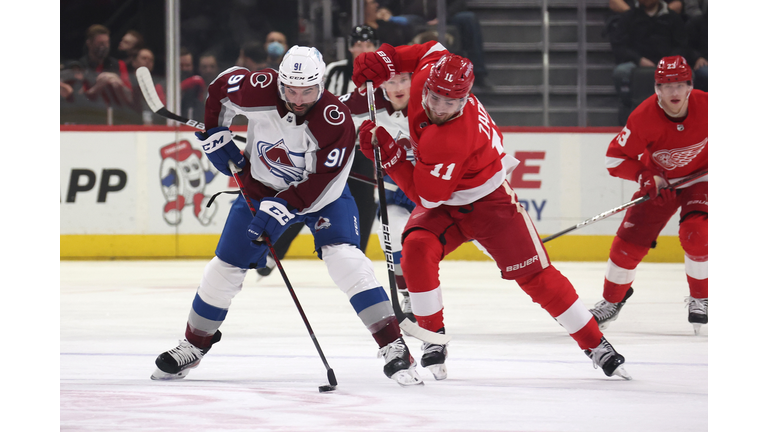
406,324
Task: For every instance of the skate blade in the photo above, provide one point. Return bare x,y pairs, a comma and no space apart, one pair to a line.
696,328
165,376
438,371
407,377
620,372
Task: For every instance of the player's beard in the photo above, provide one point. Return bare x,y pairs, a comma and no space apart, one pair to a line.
299,110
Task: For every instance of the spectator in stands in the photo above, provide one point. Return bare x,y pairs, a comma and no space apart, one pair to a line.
694,8
71,80
208,66
145,57
129,46
394,32
252,56
193,87
421,13
698,36
276,44
105,78
643,36
620,6
75,107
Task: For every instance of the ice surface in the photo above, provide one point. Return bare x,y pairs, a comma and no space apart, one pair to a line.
511,367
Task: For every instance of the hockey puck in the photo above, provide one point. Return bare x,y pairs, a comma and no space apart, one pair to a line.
326,388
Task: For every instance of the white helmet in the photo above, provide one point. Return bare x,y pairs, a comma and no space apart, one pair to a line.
302,67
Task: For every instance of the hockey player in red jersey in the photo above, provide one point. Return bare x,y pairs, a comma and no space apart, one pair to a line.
392,113
294,168
459,186
664,140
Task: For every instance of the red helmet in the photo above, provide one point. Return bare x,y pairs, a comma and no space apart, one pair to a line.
673,69
451,77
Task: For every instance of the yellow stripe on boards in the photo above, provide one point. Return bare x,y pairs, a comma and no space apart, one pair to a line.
203,246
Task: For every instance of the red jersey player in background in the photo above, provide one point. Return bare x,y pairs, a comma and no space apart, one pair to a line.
664,140
459,186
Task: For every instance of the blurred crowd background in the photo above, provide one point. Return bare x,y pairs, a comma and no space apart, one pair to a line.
103,42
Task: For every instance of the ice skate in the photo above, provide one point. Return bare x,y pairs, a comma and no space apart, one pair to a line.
434,357
265,271
697,312
399,364
606,357
176,363
605,312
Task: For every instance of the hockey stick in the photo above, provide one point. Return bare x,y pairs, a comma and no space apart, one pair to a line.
331,376
624,206
406,324
147,86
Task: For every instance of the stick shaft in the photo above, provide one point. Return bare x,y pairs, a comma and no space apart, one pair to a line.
623,207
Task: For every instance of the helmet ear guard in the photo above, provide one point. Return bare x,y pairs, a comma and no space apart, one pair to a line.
301,67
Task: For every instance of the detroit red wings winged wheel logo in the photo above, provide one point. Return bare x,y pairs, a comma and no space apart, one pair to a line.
676,158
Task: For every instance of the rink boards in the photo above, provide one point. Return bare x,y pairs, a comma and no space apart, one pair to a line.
130,192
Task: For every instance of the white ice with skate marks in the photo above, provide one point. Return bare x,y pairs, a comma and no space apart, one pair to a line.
510,366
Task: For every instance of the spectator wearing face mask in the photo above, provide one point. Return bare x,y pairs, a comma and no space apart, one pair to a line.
276,45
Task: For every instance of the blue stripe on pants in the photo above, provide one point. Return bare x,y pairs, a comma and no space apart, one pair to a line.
368,298
207,311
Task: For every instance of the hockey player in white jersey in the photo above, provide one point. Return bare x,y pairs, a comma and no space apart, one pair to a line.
294,169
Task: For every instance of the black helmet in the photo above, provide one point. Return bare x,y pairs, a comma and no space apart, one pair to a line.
363,33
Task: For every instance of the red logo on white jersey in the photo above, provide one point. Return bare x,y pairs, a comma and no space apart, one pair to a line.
676,158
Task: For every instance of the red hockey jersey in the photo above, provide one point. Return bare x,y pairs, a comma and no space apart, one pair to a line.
674,148
457,162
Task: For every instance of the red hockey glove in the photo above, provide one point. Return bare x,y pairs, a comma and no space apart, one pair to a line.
650,183
366,138
379,66
392,154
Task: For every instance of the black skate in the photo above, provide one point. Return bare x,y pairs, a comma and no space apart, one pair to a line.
605,312
606,357
265,271
399,364
176,363
697,312
434,358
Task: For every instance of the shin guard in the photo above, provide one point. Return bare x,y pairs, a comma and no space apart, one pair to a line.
353,273
421,273
219,285
622,266
694,237
555,294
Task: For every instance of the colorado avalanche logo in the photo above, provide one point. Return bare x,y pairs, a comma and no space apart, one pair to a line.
333,115
322,223
676,158
279,160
